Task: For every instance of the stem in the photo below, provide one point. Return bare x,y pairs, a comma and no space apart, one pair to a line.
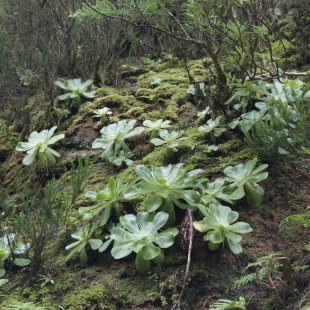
76,102
2,264
125,148
103,118
154,134
117,209
168,207
169,152
142,265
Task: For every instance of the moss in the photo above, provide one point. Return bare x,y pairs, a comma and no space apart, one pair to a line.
272,303
166,114
133,112
143,92
107,91
116,100
39,121
88,297
229,146
155,159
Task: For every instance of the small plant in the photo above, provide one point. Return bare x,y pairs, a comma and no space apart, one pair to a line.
156,81
202,114
199,88
213,128
171,140
45,279
165,183
110,197
278,124
268,270
121,158
155,127
113,137
138,234
9,248
245,93
212,192
245,178
217,223
39,220
75,90
224,304
2,273
103,113
13,304
85,238
38,147
210,149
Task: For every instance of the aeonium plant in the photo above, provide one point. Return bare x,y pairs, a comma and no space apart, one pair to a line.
245,178
121,158
85,237
107,199
213,128
2,281
113,137
166,184
217,223
9,247
75,90
214,192
38,147
170,139
103,114
138,234
155,127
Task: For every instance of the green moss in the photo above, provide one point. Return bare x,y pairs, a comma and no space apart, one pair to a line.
272,303
229,146
81,299
116,100
144,92
156,158
166,114
107,91
133,112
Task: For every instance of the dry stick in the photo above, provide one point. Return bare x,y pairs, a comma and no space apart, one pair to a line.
276,291
191,233
13,286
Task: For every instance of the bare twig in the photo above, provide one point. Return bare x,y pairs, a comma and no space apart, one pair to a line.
187,233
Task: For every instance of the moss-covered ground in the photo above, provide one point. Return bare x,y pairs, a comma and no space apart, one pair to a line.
105,283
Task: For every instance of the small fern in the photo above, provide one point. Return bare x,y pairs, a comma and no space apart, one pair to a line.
223,304
263,265
244,280
291,221
307,247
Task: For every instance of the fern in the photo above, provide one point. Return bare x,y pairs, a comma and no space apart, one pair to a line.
244,280
223,304
291,221
263,265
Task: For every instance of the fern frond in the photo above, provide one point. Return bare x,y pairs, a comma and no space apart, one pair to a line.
223,304
307,247
244,280
291,221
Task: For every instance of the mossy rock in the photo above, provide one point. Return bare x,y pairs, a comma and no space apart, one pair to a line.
115,101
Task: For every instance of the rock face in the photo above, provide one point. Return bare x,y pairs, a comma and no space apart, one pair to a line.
106,283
